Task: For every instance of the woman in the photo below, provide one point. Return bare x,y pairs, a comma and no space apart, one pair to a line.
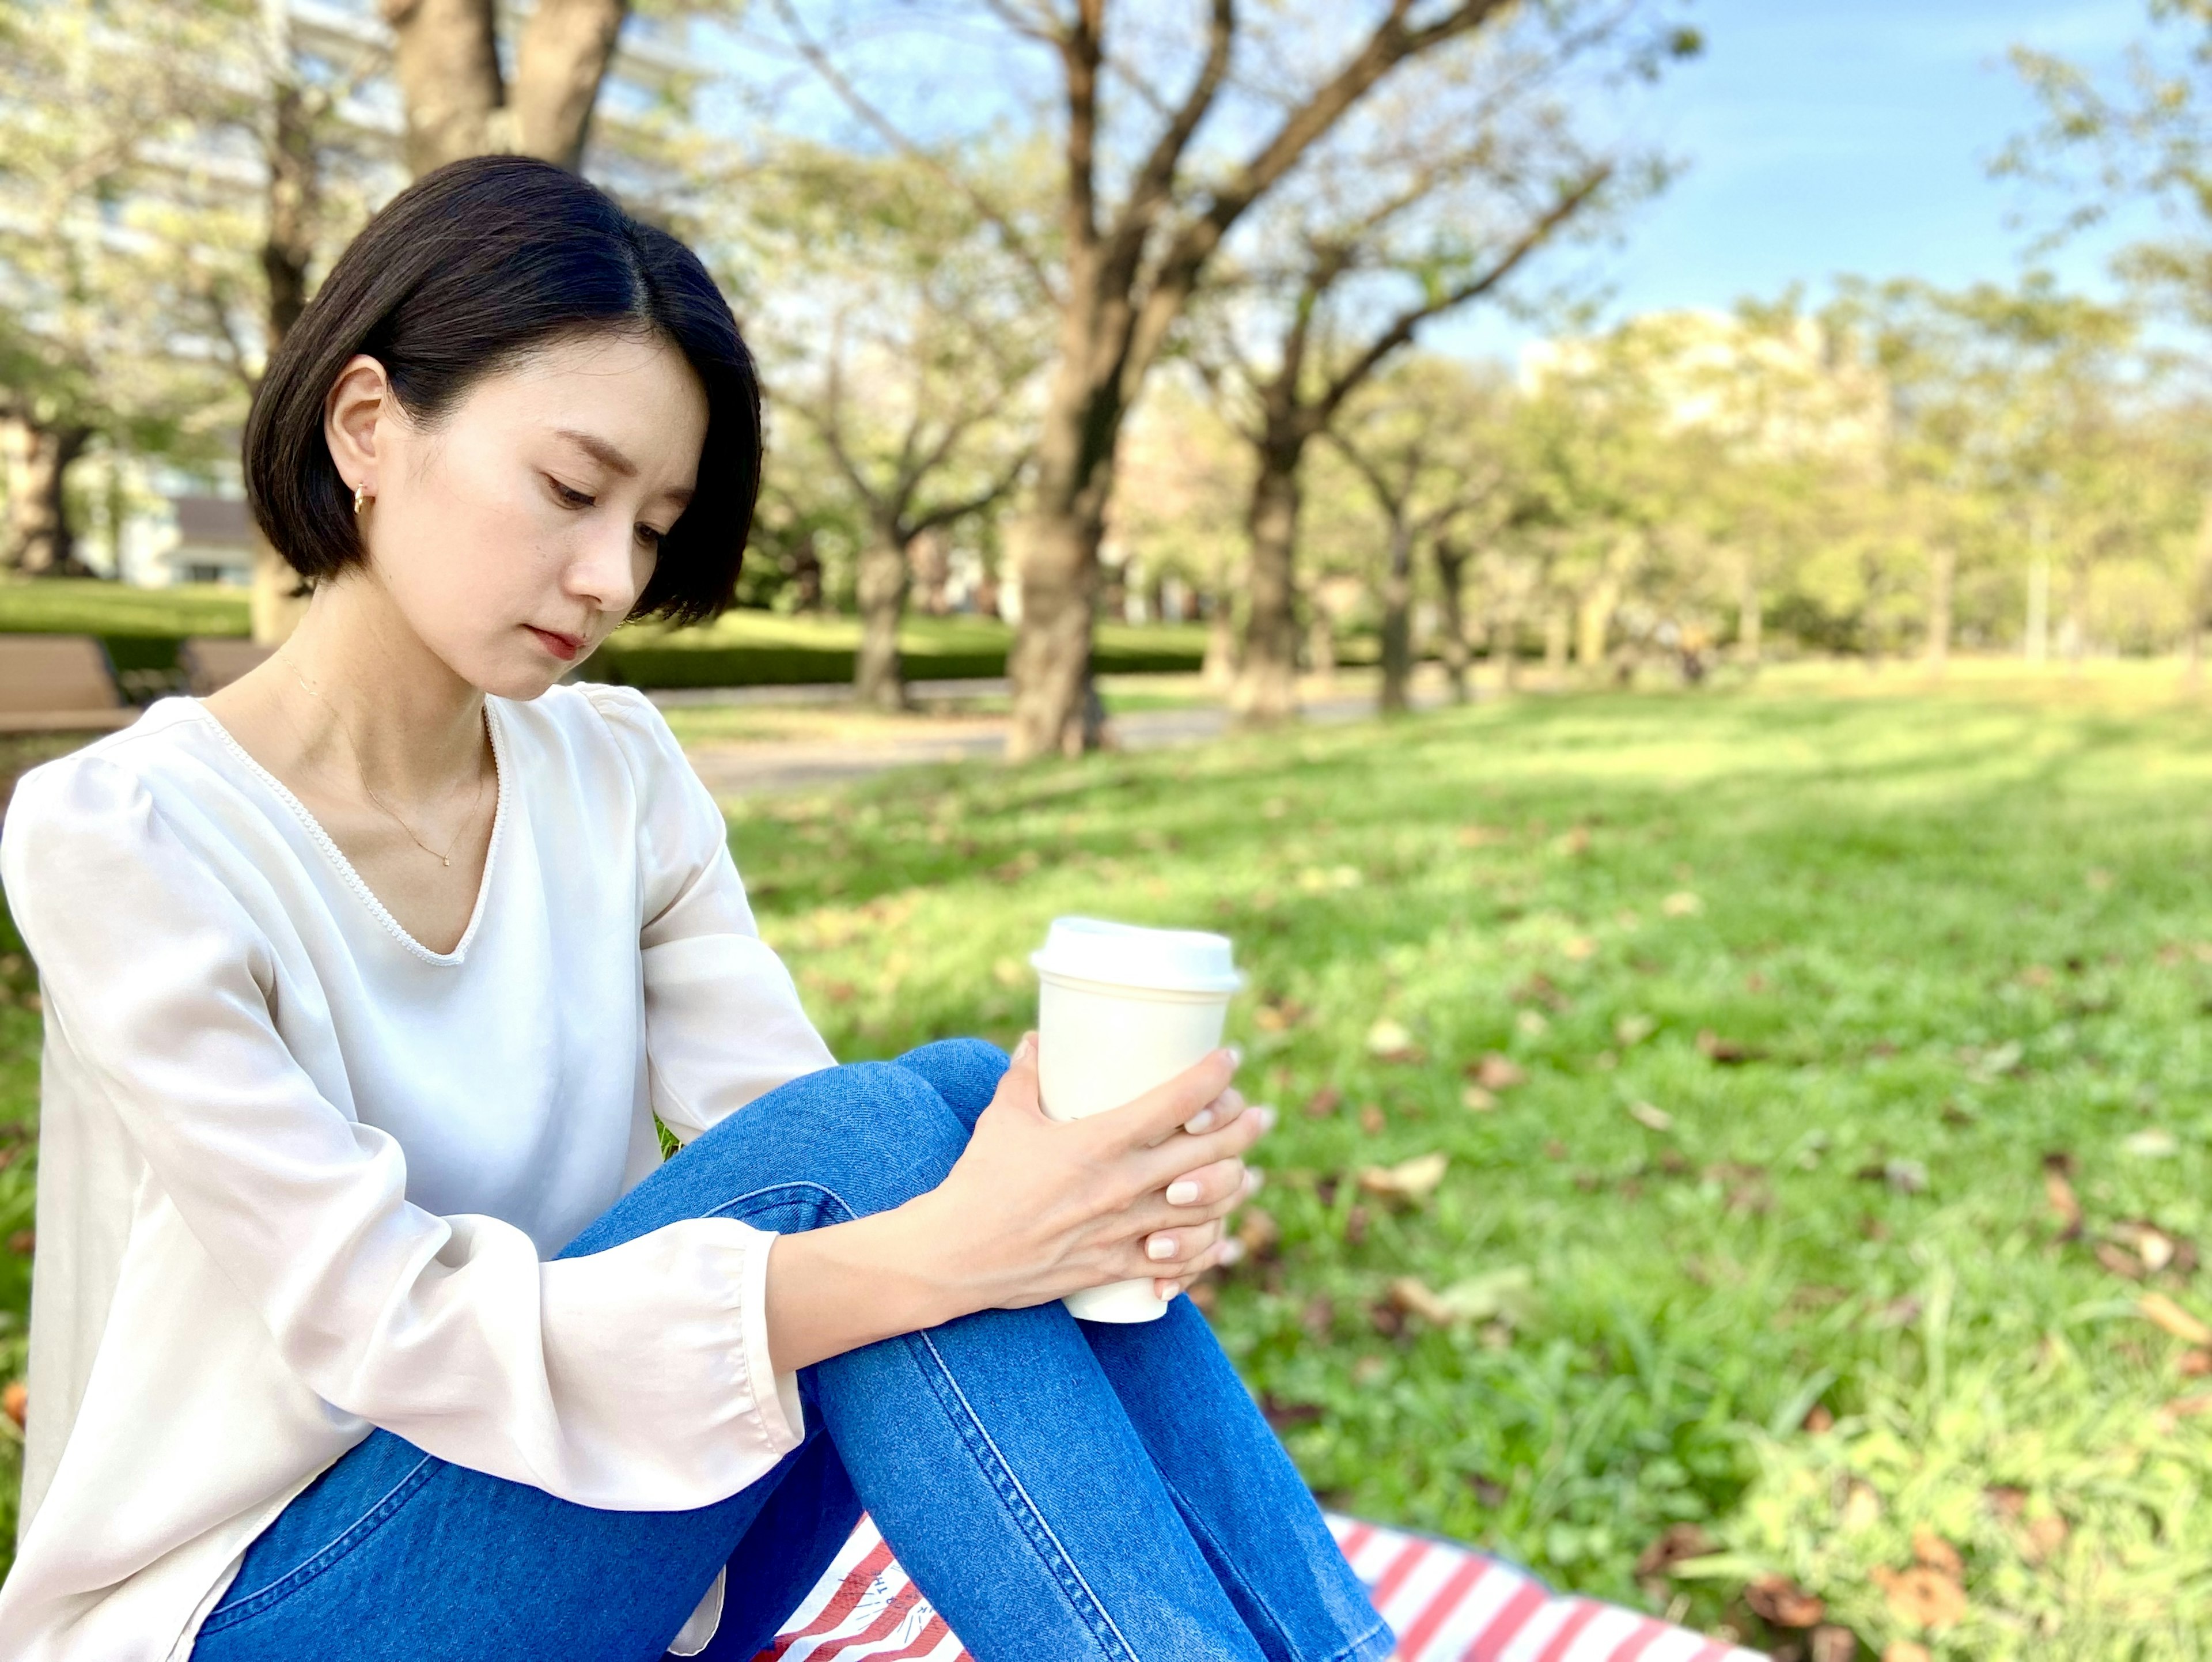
368,1322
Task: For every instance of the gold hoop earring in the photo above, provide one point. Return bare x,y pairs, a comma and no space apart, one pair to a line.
360,498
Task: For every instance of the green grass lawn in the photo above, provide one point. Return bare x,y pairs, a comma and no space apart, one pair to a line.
1870,962
1813,1002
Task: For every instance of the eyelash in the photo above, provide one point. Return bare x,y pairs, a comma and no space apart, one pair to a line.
570,498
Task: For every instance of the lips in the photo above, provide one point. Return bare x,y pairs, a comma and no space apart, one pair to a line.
563,646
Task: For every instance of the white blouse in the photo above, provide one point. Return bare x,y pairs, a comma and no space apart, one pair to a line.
300,1176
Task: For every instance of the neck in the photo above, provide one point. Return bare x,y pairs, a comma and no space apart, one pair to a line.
373,688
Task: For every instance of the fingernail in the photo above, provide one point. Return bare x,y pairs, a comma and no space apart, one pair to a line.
1160,1246
1266,1113
1255,1180
1235,1055
1202,1121
1021,1050
1181,1192
1166,1291
1231,1250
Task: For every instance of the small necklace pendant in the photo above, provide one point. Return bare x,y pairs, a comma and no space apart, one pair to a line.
447,862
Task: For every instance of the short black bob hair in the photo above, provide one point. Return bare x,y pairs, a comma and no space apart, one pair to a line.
464,272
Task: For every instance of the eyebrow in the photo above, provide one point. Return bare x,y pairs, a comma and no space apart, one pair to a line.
610,458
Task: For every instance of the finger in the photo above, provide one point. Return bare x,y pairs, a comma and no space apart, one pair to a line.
1177,1247
1217,1113
1018,1086
1161,1110
1220,1181
1162,1166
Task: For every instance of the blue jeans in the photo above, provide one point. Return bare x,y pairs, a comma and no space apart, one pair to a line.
1060,1490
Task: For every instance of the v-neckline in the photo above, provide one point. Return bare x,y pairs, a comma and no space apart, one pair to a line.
322,839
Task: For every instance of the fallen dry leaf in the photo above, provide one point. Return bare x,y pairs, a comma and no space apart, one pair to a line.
2162,1312
1631,1031
1676,1544
1778,1600
1259,1232
2118,1260
1324,1102
2157,1248
1496,1073
1937,1553
1921,1597
15,1401
1681,904
1414,1179
1414,1298
1905,1650
1478,1100
1390,1041
2181,1409
1726,1052
2194,1364
1579,948
1370,1119
2046,1539
1651,1118
1831,1644
2059,1193
1862,1508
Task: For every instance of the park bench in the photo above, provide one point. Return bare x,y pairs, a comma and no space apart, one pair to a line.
1446,1603
59,683
212,662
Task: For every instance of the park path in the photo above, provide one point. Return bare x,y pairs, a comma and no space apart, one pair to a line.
767,767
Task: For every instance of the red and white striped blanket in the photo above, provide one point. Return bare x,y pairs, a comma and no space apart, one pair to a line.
1444,1603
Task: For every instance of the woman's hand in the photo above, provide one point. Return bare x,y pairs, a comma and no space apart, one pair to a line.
1037,1208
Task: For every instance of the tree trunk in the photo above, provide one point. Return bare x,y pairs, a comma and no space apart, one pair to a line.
1267,682
878,678
1055,709
1558,629
2200,600
2074,633
1750,615
446,59
1054,712
2035,645
278,599
1505,646
1320,647
41,542
1943,574
565,48
288,240
1218,673
1398,622
877,673
1451,574
1593,622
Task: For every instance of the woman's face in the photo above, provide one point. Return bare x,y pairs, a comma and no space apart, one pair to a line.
515,535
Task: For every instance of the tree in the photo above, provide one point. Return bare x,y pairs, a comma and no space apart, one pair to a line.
1427,201
891,329
1423,442
1170,131
446,59
2101,147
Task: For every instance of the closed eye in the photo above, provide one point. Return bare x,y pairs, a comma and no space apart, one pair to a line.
567,497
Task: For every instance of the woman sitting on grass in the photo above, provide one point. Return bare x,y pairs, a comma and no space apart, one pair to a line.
368,1321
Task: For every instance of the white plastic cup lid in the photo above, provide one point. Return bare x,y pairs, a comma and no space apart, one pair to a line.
1126,955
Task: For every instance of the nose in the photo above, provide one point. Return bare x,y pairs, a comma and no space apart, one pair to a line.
609,567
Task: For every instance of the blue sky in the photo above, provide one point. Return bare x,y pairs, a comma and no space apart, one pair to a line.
1823,137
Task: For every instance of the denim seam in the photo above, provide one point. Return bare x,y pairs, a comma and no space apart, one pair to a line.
1059,1560
1196,1524
969,1427
1359,1646
316,1562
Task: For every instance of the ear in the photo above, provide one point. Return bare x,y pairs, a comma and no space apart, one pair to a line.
359,409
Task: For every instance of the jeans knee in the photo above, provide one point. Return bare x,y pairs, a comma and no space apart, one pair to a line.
900,1121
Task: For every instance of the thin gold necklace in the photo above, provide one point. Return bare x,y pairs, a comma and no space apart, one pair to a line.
361,773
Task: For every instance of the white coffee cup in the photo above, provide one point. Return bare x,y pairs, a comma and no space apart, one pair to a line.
1120,1010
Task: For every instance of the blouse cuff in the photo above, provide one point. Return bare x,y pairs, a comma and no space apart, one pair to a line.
783,1416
